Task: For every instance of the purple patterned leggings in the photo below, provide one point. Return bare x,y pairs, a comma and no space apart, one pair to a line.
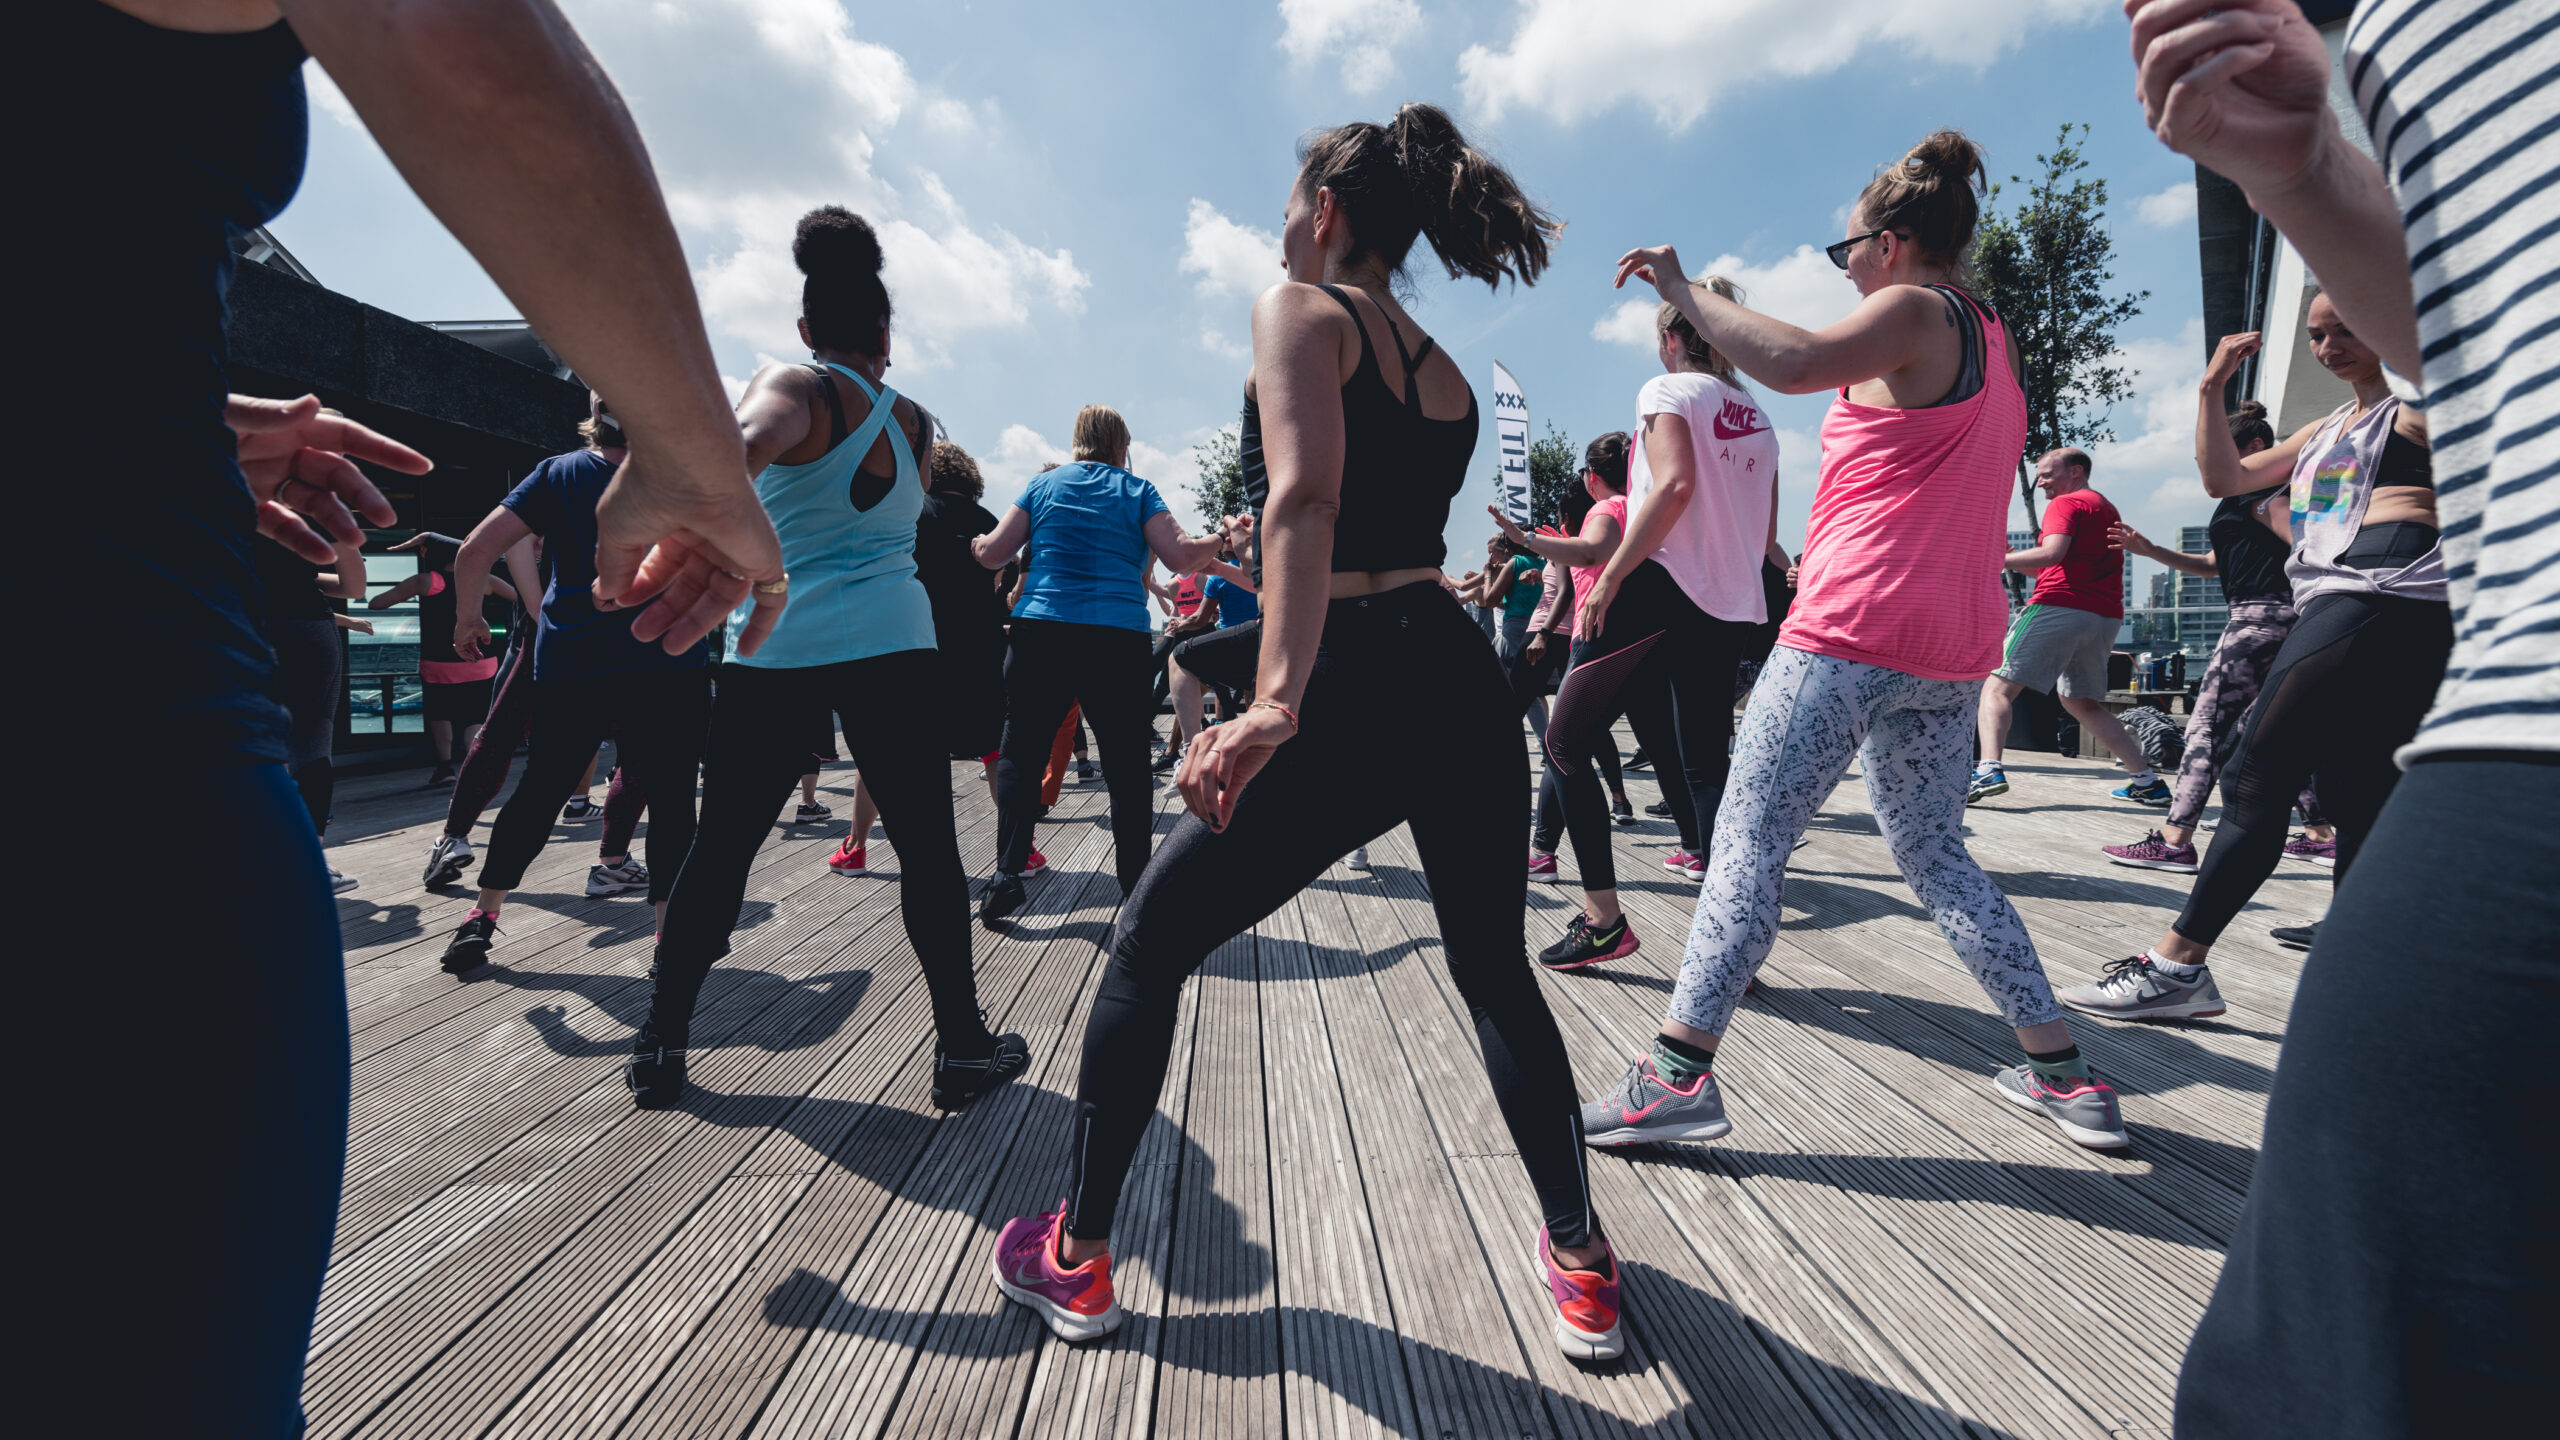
2231,679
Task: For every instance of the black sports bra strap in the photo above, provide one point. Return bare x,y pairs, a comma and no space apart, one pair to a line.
835,404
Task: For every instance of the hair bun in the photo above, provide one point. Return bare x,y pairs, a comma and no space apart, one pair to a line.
833,239
1947,154
2246,411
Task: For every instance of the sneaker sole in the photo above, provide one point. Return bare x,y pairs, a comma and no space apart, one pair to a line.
447,873
2183,1010
1576,1342
851,869
1626,1135
1986,792
1546,877
470,959
2174,867
2146,801
594,892
1064,1323
943,1100
2080,1135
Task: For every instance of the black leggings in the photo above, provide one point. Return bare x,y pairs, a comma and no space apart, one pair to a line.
1668,667
657,719
2347,688
2394,1270
1389,666
1550,823
310,681
758,751
1049,666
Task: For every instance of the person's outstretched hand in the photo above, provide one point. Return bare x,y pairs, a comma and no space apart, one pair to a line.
306,490
1511,530
1655,265
2125,537
690,544
2239,85
2227,356
1224,759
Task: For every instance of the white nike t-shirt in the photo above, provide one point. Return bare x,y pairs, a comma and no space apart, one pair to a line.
1715,549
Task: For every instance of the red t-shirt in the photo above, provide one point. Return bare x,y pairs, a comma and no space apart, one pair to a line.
2091,577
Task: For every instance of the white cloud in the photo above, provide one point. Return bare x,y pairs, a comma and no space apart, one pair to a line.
1229,258
1576,58
737,183
1361,34
331,100
1802,288
2170,208
1021,451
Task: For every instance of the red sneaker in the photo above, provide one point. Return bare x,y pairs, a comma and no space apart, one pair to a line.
1037,863
849,859
1542,868
1586,1302
1681,862
1077,1303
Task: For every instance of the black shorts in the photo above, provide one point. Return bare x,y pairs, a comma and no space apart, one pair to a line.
466,703
1227,659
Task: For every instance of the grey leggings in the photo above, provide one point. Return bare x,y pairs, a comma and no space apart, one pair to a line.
1808,716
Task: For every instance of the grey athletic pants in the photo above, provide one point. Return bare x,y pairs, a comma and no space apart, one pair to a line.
1809,715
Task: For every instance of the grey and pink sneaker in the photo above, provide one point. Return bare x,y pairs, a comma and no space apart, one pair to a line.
2154,852
2082,1107
2323,853
1077,1303
1542,868
1586,1301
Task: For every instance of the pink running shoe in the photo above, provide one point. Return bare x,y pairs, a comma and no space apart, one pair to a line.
1681,862
1586,1303
2318,852
1077,1303
1542,868
849,859
2153,852
1037,863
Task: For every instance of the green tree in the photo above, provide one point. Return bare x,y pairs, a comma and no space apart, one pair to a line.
1219,488
1554,467
2044,266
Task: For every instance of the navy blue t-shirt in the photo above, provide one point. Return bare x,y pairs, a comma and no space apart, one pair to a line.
558,502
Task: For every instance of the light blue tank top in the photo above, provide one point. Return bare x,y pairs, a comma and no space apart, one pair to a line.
854,592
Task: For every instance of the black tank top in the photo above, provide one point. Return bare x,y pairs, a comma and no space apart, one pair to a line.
165,146
1400,467
436,614
2251,556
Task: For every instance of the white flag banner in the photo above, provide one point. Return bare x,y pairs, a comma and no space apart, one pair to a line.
1511,441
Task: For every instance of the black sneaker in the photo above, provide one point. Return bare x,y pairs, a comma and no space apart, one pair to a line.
1659,809
655,1071
1582,945
1621,811
1637,761
470,944
2296,937
441,775
1084,769
1003,896
1171,757
957,1082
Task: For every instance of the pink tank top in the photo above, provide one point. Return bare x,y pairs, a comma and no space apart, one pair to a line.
1901,562
1615,507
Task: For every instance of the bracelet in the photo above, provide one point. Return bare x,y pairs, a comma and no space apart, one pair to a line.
1283,709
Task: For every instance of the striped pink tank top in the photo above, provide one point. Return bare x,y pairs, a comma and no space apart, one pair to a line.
1901,562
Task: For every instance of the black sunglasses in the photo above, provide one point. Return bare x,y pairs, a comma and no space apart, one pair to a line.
1839,251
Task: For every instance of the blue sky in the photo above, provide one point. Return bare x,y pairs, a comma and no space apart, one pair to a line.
1077,201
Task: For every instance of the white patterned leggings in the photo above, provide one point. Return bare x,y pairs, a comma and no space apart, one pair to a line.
1808,716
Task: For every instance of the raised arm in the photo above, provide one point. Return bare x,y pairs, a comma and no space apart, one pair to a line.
2047,552
2226,471
1888,331
344,579
2243,87
1233,575
496,533
508,129
408,589
1297,359
1594,546
1187,554
2136,543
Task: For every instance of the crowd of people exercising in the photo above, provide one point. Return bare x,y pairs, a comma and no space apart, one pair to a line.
2392,665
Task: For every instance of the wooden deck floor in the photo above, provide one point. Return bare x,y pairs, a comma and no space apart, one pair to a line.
1325,1233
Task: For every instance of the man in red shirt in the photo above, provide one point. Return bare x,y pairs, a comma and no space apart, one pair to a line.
2061,640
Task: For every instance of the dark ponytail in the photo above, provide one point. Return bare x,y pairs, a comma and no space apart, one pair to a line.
1930,192
843,300
2248,422
1417,178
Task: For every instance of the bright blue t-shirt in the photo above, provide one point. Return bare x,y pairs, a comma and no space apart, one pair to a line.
1236,604
1088,547
558,502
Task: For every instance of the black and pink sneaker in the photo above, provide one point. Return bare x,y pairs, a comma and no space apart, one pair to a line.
1078,1303
1586,1301
2153,852
1587,944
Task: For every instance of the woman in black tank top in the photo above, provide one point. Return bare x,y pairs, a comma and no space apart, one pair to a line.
1351,464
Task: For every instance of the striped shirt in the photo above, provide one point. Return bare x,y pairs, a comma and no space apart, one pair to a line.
2464,108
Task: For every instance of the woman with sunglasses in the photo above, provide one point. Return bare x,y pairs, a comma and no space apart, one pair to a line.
1883,655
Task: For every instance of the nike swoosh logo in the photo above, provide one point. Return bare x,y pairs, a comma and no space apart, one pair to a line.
1726,432
1633,1116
